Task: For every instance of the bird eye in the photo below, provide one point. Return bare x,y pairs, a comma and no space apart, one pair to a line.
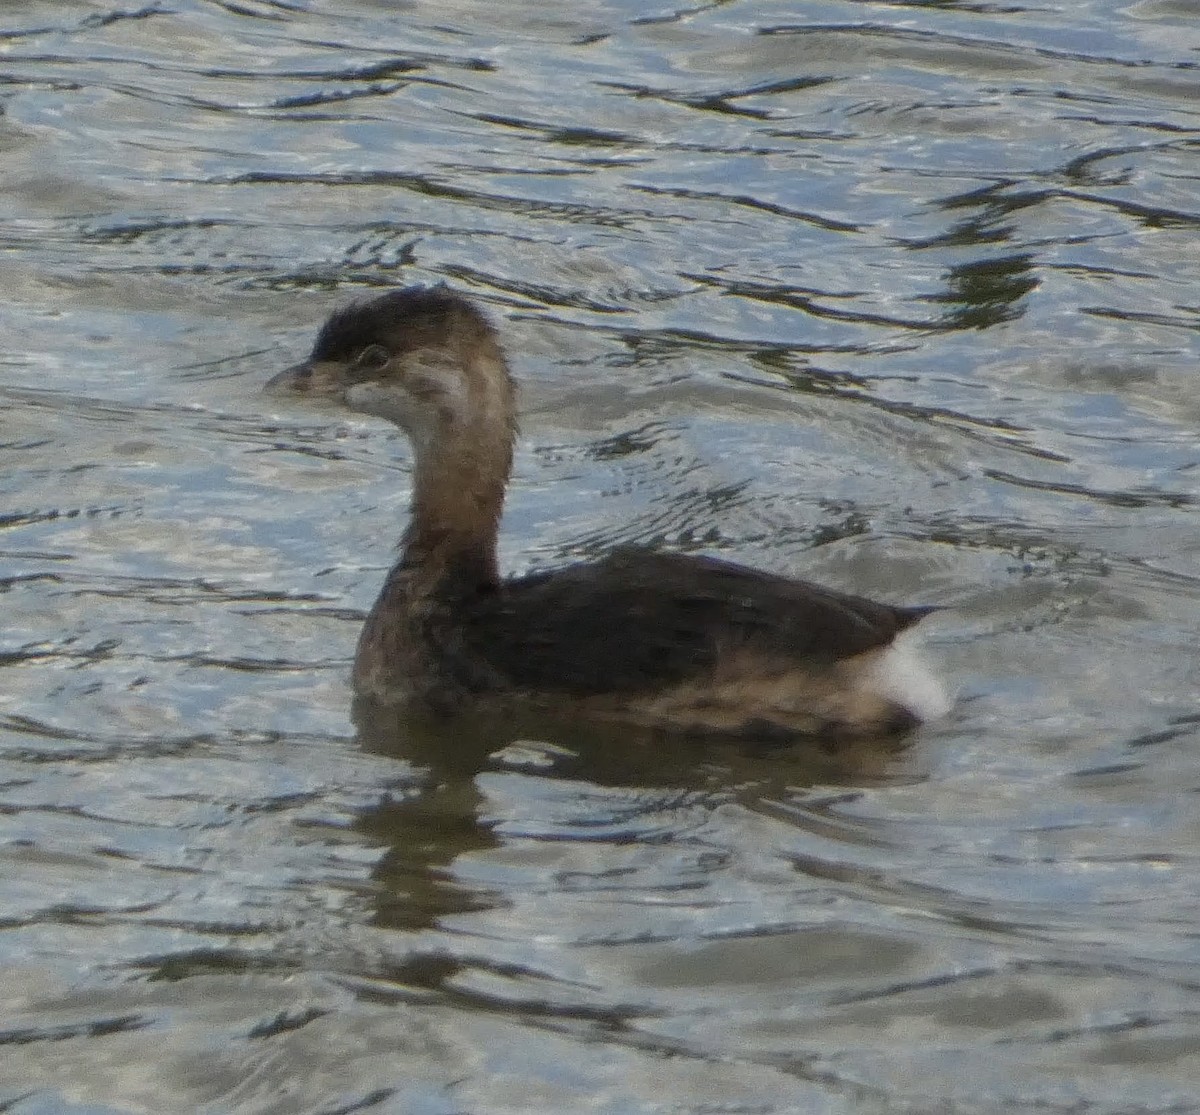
371,359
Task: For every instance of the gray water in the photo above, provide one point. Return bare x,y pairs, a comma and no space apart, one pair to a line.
901,297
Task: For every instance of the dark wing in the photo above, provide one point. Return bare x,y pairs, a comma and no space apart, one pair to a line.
639,620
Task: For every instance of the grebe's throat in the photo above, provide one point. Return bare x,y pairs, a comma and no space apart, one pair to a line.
457,500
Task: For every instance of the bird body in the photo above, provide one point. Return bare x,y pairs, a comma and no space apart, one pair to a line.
669,641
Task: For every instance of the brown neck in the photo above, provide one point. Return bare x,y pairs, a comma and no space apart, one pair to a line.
458,494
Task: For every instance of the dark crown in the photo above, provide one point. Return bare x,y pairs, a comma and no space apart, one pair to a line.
401,320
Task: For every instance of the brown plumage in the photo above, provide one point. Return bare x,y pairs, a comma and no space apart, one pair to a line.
670,641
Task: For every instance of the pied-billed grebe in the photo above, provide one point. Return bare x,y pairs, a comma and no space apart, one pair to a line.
671,641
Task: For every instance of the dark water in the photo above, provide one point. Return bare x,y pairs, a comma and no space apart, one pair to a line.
904,297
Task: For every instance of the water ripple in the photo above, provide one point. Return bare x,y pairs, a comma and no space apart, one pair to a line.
898,297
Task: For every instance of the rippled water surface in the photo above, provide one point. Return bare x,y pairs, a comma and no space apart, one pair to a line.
903,297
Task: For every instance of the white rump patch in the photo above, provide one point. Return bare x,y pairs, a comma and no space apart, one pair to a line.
900,674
